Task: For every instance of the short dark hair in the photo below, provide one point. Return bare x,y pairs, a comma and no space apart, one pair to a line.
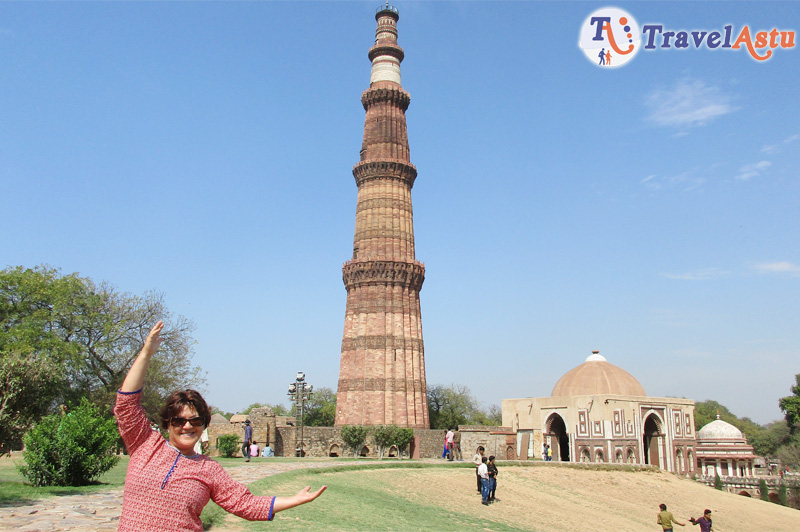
483,459
180,398
662,506
491,458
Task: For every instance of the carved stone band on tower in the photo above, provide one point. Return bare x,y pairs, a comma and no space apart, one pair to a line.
382,369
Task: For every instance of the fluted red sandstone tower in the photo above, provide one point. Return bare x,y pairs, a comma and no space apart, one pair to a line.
382,372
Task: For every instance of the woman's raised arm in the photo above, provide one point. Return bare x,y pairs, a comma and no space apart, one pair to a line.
135,379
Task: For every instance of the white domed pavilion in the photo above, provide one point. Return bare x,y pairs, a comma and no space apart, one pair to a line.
723,450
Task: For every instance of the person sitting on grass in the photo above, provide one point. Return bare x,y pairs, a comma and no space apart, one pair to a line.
168,483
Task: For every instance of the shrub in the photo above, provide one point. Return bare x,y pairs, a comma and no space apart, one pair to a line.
402,437
384,437
783,495
717,482
762,487
228,444
354,437
70,450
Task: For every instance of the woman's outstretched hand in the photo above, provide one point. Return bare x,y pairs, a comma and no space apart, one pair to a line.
154,339
305,495
134,380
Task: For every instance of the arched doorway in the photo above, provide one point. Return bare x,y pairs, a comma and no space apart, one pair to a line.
650,439
559,439
599,456
679,465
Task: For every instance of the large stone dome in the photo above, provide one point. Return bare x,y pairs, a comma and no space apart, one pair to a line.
596,376
719,430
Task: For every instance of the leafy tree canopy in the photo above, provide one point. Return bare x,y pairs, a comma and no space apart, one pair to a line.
63,337
450,406
790,406
320,409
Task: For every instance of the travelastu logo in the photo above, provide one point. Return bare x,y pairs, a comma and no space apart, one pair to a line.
610,37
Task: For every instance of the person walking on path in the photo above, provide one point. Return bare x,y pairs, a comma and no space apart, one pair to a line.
549,454
492,479
477,460
167,484
665,519
248,440
705,522
457,445
483,473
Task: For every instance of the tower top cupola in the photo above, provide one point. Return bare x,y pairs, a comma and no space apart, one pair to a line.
386,55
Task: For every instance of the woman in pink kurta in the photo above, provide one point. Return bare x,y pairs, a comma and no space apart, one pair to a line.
168,484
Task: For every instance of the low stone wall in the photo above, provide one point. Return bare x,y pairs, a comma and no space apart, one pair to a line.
327,441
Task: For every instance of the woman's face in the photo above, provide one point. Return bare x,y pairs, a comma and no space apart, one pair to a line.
184,437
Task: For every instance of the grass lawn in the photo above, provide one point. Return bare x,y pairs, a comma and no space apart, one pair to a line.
359,498
14,488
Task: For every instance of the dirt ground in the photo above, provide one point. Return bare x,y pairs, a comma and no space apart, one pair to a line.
557,499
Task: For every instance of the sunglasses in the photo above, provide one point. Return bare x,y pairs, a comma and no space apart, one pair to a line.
179,421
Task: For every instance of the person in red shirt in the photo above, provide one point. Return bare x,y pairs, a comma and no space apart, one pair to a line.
168,483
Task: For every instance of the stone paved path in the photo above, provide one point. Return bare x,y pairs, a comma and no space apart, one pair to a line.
99,512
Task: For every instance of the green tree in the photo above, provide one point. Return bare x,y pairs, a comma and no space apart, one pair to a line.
402,438
718,483
70,450
763,490
81,338
279,409
34,349
789,454
771,438
454,405
354,436
783,495
28,386
790,406
384,436
320,409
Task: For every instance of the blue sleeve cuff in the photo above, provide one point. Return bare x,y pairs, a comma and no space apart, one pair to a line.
271,513
130,393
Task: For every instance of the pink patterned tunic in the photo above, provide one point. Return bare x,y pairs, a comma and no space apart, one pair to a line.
165,490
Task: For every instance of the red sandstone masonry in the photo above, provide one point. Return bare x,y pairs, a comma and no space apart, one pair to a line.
382,367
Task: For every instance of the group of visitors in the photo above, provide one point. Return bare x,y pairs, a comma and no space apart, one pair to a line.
486,473
547,453
452,445
665,519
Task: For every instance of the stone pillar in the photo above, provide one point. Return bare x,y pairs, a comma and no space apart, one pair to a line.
382,367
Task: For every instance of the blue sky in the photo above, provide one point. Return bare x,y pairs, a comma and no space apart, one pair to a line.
205,150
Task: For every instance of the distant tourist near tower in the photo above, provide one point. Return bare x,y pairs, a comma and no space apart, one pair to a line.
382,371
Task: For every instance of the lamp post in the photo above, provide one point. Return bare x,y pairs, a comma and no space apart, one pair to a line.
300,392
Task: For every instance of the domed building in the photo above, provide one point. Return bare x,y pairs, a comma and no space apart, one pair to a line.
723,450
598,412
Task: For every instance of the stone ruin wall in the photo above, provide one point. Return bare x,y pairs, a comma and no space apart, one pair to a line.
320,441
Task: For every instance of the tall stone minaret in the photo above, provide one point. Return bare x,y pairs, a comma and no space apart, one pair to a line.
382,371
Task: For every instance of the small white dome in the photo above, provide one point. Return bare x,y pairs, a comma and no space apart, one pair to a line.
595,357
719,430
